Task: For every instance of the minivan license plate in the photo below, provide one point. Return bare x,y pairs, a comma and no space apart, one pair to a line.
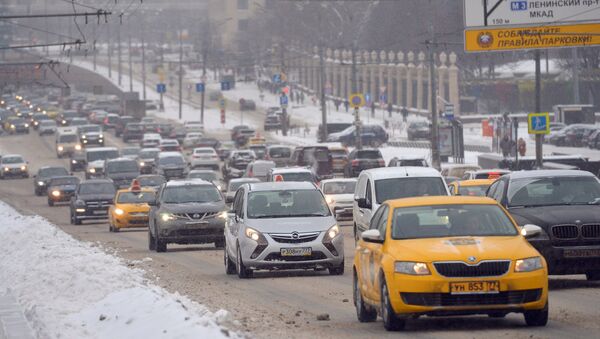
296,252
474,287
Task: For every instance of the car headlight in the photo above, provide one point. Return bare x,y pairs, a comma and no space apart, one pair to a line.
23,168
85,141
142,163
80,210
119,211
73,161
92,170
84,137
329,200
528,264
78,147
56,193
224,215
331,233
253,234
167,217
64,122
6,169
26,125
40,183
12,126
411,267
35,123
101,136
60,148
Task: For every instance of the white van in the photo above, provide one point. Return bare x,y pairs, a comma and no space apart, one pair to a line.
377,185
67,143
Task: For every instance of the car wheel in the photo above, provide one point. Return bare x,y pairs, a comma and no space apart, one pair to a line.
537,318
220,243
338,270
242,271
592,275
151,242
50,202
161,246
390,321
37,192
229,264
363,312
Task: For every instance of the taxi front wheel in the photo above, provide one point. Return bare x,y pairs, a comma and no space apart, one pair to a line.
391,322
537,318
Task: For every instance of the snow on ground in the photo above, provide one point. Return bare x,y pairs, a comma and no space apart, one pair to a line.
70,289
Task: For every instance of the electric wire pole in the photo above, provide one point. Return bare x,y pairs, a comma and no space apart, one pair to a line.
180,74
538,108
109,52
119,66
323,103
143,61
354,81
129,59
435,150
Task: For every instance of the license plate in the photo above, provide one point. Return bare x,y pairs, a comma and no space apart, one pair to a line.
296,252
474,287
100,212
581,253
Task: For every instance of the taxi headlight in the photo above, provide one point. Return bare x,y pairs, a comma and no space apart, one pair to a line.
60,148
6,169
167,217
56,193
26,125
411,267
528,264
78,147
119,211
253,234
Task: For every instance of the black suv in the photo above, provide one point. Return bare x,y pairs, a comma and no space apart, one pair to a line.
133,131
372,135
91,200
359,160
43,177
121,171
77,162
171,165
559,209
123,121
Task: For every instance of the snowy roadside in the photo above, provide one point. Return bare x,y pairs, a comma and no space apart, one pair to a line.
71,289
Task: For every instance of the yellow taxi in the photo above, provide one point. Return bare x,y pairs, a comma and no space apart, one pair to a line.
454,255
130,207
474,187
257,140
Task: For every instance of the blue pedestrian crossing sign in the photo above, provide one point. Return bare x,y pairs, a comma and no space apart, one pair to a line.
283,101
225,86
161,88
277,78
200,87
538,123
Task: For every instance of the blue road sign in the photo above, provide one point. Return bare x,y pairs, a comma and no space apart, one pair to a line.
383,98
283,101
367,98
225,86
161,88
277,78
538,123
200,87
518,5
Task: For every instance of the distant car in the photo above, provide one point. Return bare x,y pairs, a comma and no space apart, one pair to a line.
484,174
360,160
169,145
178,133
37,118
225,149
259,169
193,126
150,140
77,161
61,189
247,105
18,126
207,175
235,165
121,171
418,130
295,174
191,139
13,165
111,121
122,123
146,159
472,187
407,160
91,200
458,170
272,122
151,180
282,225
64,119
132,131
130,208
91,135
339,195
332,127
339,158
208,142
43,177
259,150
205,157
280,154
371,135
236,129
95,159
233,186
67,144
171,165
187,212
130,152
78,122
47,127
97,117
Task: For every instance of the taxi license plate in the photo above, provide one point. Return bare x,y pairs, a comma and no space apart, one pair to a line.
474,287
296,252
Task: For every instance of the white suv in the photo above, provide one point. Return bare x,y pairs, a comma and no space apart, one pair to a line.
377,185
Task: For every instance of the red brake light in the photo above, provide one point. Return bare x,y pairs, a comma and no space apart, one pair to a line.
354,162
381,162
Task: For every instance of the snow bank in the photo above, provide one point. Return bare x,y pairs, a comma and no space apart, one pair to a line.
70,289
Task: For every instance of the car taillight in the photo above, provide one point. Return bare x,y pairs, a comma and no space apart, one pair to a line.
355,162
381,162
105,121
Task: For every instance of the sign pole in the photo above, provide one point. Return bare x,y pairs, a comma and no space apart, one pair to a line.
538,108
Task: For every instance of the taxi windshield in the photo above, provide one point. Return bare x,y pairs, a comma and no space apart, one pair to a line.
450,221
135,198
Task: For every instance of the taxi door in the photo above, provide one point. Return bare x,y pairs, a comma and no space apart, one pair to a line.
370,255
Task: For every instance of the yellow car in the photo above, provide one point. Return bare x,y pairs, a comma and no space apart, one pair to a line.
440,256
474,187
130,208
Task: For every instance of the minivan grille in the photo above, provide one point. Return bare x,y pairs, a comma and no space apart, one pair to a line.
463,270
294,238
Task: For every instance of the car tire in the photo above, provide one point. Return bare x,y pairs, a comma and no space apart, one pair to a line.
536,318
592,275
161,246
75,220
37,192
50,202
364,313
242,271
220,243
391,322
151,242
338,270
229,264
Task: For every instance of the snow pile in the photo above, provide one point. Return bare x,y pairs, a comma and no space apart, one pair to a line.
70,289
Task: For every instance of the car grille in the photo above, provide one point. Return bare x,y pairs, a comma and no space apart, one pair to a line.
196,216
565,231
294,237
195,232
590,231
97,204
463,270
276,256
447,299
173,172
138,222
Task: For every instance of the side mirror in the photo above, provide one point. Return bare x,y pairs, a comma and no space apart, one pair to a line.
362,203
531,231
152,203
372,236
229,199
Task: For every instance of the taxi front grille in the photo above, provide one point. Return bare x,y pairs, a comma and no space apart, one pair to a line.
447,299
463,270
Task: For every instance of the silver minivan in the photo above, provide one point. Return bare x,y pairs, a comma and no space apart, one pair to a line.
282,225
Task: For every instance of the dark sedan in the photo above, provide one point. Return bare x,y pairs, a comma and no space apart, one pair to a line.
44,175
61,189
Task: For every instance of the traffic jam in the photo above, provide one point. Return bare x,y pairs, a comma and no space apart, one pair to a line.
466,242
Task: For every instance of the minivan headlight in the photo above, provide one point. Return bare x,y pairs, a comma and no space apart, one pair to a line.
253,234
528,264
332,232
411,267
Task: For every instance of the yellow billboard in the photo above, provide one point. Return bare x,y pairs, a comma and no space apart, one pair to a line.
484,39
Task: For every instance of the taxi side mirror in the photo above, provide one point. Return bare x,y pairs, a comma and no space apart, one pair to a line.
372,236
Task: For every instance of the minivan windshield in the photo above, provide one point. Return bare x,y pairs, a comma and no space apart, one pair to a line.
451,221
280,152
12,160
102,155
190,194
67,138
89,128
296,176
287,204
64,181
339,187
151,181
396,188
122,166
148,154
557,190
